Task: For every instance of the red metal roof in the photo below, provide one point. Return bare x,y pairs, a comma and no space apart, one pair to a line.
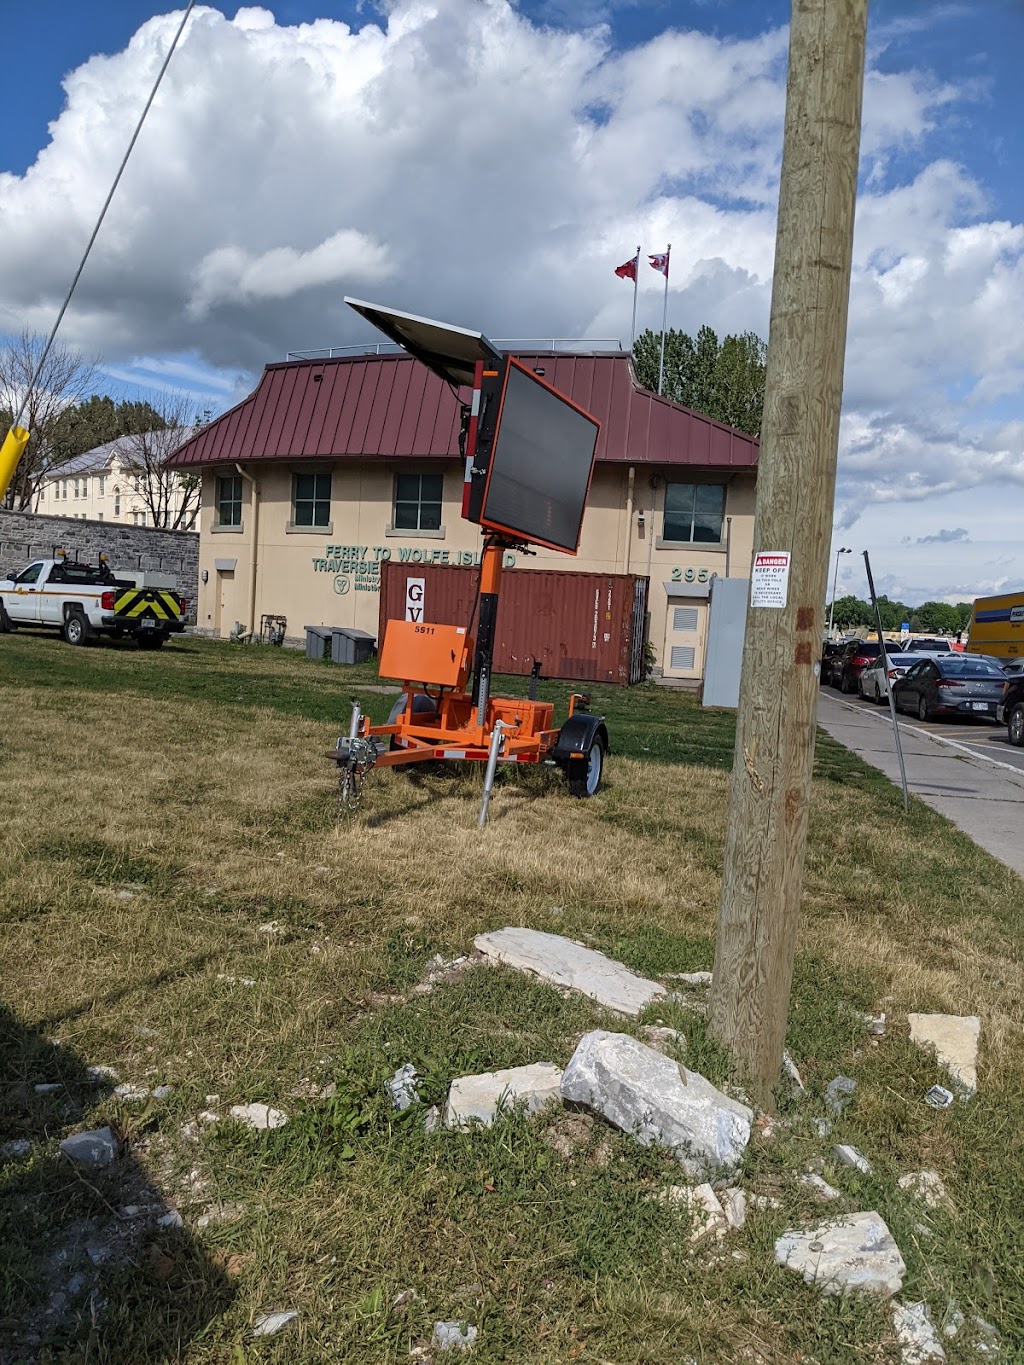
390,406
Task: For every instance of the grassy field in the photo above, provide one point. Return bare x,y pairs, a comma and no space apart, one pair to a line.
180,902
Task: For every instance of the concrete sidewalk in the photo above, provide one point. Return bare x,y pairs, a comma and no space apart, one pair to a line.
984,799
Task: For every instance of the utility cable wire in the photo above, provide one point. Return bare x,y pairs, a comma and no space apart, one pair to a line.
103,213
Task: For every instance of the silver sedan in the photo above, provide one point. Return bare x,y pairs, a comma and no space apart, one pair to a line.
875,681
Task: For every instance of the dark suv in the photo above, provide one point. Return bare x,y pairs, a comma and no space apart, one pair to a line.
1011,710
847,666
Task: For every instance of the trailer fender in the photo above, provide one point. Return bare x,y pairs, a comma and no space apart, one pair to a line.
577,736
422,705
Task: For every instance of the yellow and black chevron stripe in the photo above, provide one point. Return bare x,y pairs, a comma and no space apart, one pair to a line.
136,602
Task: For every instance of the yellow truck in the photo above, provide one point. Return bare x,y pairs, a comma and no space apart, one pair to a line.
997,626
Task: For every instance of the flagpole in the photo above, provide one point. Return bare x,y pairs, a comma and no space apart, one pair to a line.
636,285
664,320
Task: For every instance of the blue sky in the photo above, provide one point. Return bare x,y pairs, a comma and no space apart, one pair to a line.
491,165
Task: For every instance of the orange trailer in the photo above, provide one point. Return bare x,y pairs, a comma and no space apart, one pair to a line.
529,459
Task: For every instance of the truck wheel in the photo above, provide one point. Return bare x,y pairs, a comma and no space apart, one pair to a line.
76,629
1015,725
6,624
583,775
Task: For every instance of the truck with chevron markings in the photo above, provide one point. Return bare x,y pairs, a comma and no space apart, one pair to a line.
84,601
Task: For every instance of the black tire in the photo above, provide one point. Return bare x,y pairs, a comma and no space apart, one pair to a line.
922,708
6,624
846,685
583,775
147,640
879,700
1015,725
76,630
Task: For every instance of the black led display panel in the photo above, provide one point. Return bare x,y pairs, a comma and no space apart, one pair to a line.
540,464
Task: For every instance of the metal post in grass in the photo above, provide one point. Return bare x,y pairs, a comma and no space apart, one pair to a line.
774,756
888,683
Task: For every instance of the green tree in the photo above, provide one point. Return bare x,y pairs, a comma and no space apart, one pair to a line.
893,614
939,617
723,380
97,420
850,611
964,612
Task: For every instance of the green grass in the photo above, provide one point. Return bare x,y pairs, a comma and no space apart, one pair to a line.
161,810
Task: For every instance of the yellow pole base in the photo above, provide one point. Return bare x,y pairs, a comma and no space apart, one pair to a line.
10,453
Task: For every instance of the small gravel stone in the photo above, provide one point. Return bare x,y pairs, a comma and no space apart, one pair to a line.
259,1116
453,1336
16,1147
838,1094
47,1087
93,1149
161,1092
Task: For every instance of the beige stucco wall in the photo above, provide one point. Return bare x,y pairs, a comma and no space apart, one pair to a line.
329,575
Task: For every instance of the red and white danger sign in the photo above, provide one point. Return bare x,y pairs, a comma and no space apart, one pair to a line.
769,581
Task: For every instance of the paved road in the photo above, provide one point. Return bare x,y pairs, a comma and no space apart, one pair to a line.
966,771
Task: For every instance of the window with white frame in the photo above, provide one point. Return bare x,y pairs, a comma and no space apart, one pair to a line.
418,500
102,485
311,499
694,513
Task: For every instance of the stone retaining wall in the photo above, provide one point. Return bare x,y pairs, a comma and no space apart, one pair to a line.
29,535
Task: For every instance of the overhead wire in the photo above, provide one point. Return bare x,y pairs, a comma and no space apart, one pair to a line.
103,213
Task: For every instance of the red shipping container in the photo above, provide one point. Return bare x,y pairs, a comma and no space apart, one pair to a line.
586,627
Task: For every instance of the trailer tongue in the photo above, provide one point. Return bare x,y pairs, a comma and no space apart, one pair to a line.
529,454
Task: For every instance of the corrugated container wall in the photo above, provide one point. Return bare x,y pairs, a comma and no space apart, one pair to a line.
582,626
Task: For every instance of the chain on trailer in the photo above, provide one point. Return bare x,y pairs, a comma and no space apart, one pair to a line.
361,751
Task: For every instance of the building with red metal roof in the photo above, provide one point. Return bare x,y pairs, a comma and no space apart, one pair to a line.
332,467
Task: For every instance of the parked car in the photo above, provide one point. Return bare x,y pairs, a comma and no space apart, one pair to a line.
846,666
1013,668
1011,709
951,684
926,644
829,650
873,683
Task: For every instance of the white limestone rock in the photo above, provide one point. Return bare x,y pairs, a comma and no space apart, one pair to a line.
927,1187
657,1101
819,1185
562,962
734,1204
92,1150
269,1324
482,1097
919,1343
708,1217
852,1254
453,1336
852,1156
954,1040
259,1116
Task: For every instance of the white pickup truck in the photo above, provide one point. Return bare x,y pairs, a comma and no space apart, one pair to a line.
83,601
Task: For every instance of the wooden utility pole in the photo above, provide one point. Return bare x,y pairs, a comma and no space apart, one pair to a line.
771,776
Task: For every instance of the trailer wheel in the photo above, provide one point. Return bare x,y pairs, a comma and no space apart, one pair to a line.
583,775
76,629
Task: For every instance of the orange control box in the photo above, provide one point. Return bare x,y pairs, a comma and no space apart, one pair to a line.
529,717
416,651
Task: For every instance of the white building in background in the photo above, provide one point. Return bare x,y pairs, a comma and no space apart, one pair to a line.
106,484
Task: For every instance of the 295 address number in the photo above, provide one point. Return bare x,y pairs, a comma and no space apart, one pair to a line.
690,575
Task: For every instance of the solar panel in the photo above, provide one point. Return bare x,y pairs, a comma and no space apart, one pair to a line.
451,352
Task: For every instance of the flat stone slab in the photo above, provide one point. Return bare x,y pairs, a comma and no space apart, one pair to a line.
919,1343
482,1097
565,963
259,1116
95,1149
854,1254
657,1101
954,1039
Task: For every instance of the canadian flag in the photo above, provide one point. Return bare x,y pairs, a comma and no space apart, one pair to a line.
660,262
628,271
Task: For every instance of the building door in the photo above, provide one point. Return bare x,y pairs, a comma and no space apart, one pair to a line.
685,633
223,589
